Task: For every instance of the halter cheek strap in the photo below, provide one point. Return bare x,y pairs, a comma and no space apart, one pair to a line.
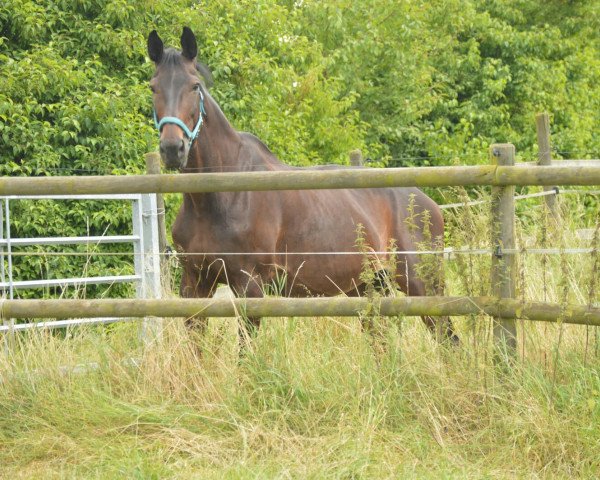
191,134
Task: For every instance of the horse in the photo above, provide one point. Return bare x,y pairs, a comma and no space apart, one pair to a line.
266,238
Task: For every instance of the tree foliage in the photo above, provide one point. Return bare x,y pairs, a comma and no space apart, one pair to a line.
409,82
439,81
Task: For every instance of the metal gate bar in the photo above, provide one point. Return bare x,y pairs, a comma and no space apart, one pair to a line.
64,323
96,240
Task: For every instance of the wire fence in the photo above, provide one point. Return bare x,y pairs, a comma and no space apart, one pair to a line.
447,252
553,191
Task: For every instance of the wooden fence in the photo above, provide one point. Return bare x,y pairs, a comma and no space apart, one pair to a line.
303,307
501,174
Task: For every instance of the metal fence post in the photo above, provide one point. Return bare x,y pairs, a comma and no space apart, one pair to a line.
138,253
150,263
503,237
154,243
153,168
9,322
3,278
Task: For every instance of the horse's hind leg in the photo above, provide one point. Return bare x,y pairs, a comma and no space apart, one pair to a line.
440,327
443,327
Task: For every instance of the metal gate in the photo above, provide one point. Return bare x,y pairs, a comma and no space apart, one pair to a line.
144,239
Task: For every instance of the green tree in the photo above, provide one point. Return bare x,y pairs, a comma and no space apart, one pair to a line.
438,81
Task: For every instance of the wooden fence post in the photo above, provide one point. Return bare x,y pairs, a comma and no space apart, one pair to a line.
153,167
356,158
503,237
542,125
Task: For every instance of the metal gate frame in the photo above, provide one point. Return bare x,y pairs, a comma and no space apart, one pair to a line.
146,258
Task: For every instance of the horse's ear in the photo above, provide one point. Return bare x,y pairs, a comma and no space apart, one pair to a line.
189,49
155,47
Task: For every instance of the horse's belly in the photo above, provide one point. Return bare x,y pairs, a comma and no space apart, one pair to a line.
338,230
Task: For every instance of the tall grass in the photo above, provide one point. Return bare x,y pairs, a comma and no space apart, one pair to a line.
312,398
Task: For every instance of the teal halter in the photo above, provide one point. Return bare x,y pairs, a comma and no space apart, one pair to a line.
191,134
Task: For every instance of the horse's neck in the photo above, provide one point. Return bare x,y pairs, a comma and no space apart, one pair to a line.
213,149
219,148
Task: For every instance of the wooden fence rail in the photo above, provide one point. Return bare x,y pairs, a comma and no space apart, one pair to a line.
301,307
303,180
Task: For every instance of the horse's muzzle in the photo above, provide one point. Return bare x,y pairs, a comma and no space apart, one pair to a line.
174,153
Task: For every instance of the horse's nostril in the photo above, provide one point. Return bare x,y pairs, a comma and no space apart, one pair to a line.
172,149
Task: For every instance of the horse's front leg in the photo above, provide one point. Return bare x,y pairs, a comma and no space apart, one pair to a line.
248,326
196,285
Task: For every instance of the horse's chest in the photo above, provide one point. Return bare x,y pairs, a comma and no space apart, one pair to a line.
198,234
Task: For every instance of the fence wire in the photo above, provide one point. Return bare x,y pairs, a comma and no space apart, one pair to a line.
554,191
445,251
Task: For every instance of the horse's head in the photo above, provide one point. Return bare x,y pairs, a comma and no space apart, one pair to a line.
178,96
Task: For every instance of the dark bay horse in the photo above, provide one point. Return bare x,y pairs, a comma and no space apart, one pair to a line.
259,232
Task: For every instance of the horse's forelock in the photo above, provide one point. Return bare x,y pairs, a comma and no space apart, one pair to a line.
173,58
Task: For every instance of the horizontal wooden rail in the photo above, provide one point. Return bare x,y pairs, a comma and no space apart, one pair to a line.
303,307
302,180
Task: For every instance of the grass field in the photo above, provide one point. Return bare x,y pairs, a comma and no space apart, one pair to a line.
317,398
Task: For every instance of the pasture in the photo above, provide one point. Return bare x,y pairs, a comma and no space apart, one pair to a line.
319,397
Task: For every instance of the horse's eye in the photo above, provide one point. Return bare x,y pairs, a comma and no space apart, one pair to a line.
152,89
197,88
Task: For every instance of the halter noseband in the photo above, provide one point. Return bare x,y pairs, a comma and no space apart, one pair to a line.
191,134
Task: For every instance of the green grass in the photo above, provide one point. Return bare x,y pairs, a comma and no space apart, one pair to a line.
316,398
312,399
